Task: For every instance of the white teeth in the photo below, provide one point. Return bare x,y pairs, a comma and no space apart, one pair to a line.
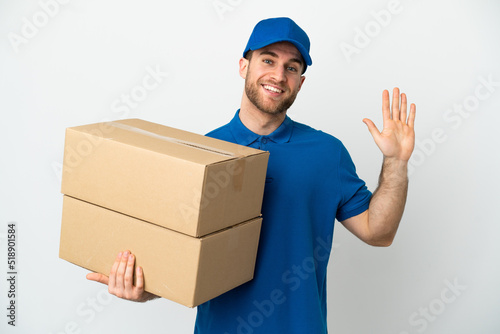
272,89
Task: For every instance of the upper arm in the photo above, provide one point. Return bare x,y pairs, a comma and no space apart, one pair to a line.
358,225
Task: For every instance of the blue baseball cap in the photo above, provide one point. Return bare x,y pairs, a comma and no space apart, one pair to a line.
280,29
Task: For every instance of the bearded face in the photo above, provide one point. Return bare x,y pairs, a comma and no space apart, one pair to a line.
272,106
270,85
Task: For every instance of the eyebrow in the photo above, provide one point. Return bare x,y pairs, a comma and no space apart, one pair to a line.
272,54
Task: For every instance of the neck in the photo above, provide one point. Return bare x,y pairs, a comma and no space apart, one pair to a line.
257,121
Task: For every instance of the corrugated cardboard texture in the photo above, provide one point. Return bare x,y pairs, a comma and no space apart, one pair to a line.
180,180
178,267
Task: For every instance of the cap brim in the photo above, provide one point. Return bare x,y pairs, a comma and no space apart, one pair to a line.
299,47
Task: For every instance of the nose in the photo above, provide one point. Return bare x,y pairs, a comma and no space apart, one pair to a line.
279,74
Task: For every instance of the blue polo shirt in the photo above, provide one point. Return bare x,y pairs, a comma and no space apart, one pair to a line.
311,181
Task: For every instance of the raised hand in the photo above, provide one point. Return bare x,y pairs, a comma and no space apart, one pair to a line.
397,138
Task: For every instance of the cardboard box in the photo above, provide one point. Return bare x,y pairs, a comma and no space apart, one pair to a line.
178,267
176,179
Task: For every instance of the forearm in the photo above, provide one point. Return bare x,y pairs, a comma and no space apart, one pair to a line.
388,201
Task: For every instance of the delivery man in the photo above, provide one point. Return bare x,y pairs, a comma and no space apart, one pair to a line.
310,182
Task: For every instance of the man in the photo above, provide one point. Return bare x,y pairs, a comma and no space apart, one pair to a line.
310,182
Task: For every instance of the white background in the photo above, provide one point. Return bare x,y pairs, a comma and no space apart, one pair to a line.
76,64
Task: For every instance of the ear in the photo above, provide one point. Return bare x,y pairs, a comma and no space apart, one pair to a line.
243,67
302,78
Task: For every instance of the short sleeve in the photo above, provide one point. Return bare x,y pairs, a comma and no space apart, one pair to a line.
355,197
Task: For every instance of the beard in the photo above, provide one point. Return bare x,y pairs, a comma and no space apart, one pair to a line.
252,90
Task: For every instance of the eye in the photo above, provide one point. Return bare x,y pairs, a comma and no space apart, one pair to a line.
292,69
268,61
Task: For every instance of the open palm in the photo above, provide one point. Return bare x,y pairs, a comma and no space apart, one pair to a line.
397,138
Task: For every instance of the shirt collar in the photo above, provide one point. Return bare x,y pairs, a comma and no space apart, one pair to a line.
244,136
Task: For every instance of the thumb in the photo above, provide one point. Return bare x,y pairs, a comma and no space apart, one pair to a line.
98,278
372,128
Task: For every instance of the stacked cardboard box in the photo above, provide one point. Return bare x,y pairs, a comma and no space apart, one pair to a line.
187,206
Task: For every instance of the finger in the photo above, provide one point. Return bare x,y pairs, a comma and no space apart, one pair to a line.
112,274
139,279
386,112
395,104
403,107
98,278
411,118
129,274
120,272
372,128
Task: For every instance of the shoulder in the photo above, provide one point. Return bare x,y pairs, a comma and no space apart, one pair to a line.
222,133
305,132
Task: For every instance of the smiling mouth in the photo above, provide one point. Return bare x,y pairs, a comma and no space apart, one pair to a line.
272,89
